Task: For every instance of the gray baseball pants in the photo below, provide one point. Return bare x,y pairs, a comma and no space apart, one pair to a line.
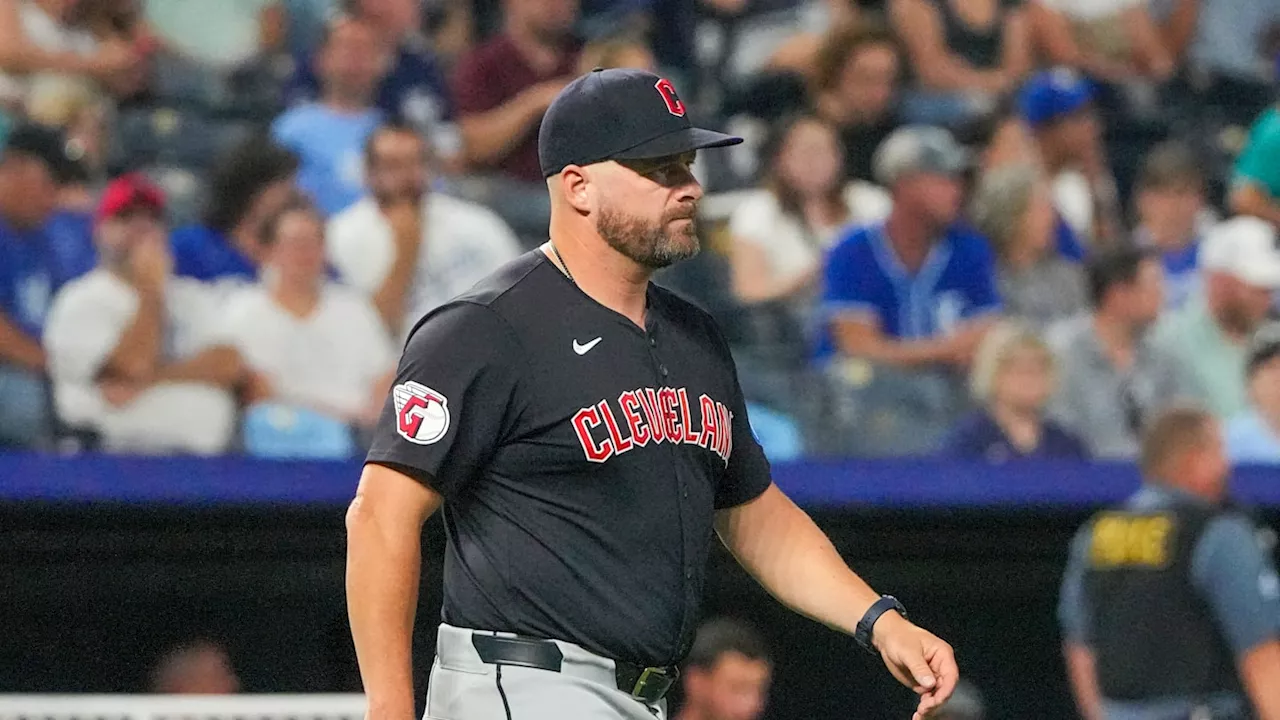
464,688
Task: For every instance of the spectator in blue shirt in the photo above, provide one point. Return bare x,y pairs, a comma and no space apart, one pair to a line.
917,289
414,90
247,186
34,157
1013,379
329,135
913,296
1170,603
1169,199
1253,437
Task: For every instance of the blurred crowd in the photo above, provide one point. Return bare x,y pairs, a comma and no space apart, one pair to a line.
986,228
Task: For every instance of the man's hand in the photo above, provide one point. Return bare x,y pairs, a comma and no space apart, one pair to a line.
405,219
119,393
150,264
257,388
918,659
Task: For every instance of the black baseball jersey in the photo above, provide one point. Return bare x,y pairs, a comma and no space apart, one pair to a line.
581,458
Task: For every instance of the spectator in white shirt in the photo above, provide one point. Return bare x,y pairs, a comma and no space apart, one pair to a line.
410,250
781,231
310,345
134,352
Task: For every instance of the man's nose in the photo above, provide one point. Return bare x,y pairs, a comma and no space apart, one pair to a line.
690,189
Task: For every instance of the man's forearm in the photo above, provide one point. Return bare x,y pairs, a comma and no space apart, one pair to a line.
782,548
219,366
489,135
19,348
391,296
891,351
1084,680
382,595
1260,673
138,350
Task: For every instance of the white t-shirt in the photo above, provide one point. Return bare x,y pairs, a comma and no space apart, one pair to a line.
461,243
1073,198
758,219
88,317
326,362
45,32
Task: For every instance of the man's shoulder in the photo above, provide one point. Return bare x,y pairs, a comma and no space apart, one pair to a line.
448,213
362,215
504,294
855,248
1065,336
309,119
96,287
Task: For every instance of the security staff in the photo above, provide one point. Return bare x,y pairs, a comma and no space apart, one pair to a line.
1170,607
586,435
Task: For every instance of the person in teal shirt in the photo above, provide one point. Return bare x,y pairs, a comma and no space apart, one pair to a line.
1256,185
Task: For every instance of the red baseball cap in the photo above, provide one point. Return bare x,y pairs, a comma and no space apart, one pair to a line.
130,192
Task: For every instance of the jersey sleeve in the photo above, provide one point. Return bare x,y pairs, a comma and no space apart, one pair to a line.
845,290
1233,575
1073,610
747,473
451,403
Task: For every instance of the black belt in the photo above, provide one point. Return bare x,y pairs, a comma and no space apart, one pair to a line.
648,684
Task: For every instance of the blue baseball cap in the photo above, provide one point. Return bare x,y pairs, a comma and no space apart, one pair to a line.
619,114
1050,94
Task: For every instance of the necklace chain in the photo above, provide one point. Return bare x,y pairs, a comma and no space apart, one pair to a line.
563,266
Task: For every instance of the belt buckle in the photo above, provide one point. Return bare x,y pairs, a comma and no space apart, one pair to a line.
654,683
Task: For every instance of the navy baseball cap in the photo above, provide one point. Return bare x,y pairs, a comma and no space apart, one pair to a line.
1050,94
619,114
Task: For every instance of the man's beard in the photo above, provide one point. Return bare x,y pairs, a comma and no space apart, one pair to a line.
650,245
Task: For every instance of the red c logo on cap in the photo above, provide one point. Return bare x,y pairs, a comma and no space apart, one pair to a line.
668,93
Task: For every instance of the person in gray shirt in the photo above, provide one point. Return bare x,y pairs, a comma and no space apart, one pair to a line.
1013,207
1112,378
1170,602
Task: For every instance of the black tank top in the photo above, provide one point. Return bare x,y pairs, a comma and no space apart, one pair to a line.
981,48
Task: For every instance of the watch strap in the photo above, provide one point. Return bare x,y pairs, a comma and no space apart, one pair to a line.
863,631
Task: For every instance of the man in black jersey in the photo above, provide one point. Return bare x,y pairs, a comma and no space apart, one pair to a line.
585,434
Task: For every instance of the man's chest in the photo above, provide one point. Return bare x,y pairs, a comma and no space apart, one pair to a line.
600,392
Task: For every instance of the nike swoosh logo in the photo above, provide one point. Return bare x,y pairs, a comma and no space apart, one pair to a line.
584,349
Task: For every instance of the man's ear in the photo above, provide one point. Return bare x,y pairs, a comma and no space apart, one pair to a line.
575,188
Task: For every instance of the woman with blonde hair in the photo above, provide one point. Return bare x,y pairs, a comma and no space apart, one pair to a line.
1012,380
1014,209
